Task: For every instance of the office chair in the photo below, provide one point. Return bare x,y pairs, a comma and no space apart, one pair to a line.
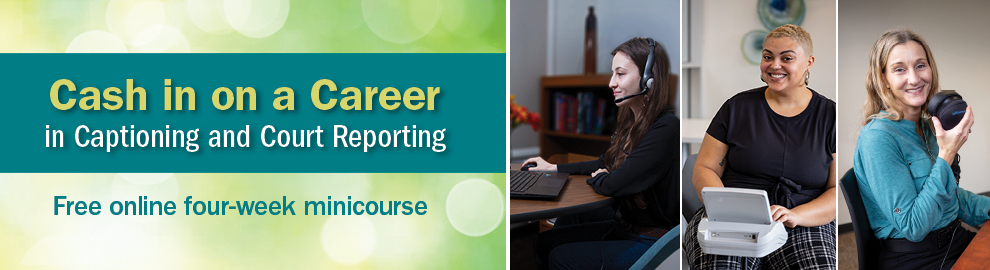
690,201
867,244
660,251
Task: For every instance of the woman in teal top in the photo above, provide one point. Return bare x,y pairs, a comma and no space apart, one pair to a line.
902,159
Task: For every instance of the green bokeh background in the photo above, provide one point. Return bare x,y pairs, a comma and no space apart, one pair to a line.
333,26
30,233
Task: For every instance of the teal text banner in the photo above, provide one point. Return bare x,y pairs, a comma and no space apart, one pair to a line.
464,131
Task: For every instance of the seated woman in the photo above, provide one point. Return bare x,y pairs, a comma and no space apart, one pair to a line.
779,138
639,169
902,160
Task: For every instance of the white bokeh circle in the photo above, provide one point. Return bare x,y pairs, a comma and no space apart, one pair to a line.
164,39
208,15
127,18
256,18
401,21
348,239
96,41
405,236
475,207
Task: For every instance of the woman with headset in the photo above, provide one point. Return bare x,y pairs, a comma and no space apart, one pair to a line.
639,169
902,160
779,138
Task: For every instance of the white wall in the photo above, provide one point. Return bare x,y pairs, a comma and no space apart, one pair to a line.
556,27
618,21
957,34
724,70
528,54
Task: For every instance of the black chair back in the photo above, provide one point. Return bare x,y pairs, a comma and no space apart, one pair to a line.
867,244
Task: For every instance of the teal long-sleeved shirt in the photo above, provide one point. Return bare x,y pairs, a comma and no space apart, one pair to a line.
907,189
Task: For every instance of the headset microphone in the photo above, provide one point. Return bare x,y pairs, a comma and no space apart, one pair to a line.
647,80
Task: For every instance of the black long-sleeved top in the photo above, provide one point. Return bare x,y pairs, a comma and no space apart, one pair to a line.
645,186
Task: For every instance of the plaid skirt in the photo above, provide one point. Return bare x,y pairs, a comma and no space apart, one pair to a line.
806,248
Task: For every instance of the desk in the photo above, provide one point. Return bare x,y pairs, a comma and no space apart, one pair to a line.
977,254
577,196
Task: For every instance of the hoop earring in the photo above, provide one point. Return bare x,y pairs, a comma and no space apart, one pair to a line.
806,76
761,79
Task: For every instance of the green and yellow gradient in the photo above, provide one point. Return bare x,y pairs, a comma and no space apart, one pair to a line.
464,227
465,224
253,26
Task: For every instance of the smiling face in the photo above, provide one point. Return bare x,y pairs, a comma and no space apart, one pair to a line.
625,79
784,64
908,75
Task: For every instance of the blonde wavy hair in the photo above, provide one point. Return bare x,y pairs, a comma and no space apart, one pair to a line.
878,96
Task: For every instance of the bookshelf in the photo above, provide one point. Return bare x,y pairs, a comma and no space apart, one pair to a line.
556,143
561,142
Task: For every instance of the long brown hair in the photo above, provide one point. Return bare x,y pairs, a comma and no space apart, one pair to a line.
656,101
879,97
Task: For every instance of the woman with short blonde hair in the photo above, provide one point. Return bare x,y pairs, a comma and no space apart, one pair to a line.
779,138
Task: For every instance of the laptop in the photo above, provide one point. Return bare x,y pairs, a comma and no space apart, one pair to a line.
536,185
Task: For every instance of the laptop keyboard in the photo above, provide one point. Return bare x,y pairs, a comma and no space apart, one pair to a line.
523,180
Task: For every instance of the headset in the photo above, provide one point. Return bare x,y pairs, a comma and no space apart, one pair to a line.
644,86
647,80
949,107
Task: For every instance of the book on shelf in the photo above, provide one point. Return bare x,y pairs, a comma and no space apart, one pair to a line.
583,113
